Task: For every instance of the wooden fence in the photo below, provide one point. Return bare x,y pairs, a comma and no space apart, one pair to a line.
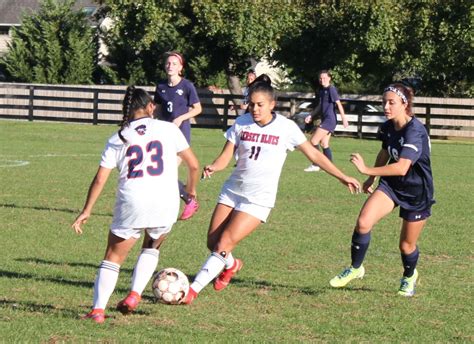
443,117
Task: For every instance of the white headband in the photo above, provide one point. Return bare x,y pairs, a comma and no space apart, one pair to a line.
397,92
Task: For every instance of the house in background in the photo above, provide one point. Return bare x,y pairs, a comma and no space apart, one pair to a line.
11,12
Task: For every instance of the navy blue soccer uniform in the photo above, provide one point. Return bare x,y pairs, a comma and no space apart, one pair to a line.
176,101
414,191
328,97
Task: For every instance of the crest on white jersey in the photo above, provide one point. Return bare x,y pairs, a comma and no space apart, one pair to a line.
141,129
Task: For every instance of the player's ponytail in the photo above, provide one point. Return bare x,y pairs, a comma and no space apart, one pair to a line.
134,99
262,83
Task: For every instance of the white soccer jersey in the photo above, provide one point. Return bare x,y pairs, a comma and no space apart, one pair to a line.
261,152
147,193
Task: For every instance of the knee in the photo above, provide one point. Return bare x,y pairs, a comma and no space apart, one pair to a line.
363,225
407,247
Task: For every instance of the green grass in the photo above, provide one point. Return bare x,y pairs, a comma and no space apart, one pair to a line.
281,295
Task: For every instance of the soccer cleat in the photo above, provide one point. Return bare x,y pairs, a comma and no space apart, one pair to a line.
407,285
189,209
224,278
190,296
129,304
312,168
97,315
346,276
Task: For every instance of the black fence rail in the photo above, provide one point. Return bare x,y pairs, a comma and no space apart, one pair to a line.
443,118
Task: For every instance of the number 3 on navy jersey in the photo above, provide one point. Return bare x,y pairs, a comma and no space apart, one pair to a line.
136,154
169,107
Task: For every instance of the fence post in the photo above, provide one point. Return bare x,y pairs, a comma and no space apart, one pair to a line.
428,119
95,113
292,107
225,117
359,124
30,102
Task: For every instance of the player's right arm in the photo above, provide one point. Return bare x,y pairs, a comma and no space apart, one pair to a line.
95,190
221,161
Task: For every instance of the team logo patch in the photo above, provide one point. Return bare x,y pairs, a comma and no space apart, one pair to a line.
401,141
141,129
180,91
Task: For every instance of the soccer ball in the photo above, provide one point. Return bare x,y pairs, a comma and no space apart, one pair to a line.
170,286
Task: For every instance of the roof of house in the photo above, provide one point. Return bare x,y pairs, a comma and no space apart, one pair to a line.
11,11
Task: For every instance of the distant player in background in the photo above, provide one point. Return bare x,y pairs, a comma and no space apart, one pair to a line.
403,163
261,140
145,152
177,101
251,76
328,101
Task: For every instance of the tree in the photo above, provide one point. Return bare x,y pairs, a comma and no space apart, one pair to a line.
220,38
232,34
139,35
369,44
54,45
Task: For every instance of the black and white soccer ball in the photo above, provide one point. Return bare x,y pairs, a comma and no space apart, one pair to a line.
170,286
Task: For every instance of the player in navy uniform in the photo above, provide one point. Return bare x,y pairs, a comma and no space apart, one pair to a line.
403,165
177,101
261,140
328,101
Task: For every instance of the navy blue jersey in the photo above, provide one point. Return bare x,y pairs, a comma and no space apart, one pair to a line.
415,190
327,99
176,101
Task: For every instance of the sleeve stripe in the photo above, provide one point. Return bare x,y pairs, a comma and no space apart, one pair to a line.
411,146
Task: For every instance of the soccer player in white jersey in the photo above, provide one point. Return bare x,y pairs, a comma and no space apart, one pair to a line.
145,151
261,140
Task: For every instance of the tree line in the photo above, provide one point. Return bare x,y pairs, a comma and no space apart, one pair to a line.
365,44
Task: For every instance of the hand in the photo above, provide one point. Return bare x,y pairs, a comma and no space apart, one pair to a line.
80,220
308,119
345,123
353,184
359,163
207,172
178,121
367,186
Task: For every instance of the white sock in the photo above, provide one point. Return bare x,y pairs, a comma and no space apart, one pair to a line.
211,268
105,282
229,260
146,264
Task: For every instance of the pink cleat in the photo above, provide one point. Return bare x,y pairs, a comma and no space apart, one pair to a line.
129,304
224,278
189,209
97,315
190,296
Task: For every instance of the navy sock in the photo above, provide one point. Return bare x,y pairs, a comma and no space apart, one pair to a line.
182,192
328,153
359,246
409,262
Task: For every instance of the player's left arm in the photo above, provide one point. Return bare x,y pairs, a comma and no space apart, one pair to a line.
345,123
95,190
192,165
194,110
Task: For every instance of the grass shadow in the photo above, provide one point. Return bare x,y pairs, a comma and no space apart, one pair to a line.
73,264
64,210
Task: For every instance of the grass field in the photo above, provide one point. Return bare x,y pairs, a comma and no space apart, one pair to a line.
281,295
